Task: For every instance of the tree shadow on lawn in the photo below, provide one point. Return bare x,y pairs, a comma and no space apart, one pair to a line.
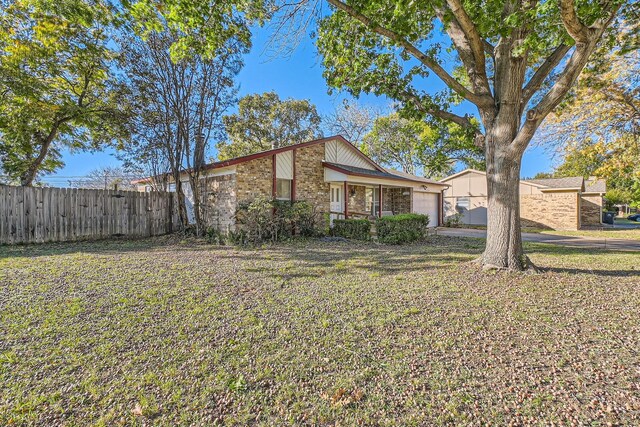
590,258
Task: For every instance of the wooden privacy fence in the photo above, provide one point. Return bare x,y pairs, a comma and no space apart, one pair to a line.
35,215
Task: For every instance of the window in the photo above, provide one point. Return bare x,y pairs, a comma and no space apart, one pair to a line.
283,189
462,204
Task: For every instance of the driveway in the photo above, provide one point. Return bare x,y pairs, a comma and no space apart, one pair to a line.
572,241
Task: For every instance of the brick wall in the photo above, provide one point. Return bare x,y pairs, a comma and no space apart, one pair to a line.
393,200
591,210
254,179
310,185
219,195
357,202
558,211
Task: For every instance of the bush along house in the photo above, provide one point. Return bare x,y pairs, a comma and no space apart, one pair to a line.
330,173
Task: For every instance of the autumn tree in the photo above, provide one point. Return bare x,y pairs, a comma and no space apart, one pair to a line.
264,121
596,129
513,61
57,88
418,147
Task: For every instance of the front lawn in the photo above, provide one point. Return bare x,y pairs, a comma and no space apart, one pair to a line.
161,332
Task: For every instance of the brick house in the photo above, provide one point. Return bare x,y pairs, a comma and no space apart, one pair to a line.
330,173
557,203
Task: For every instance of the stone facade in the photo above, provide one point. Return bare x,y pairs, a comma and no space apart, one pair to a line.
394,200
219,194
557,211
310,185
253,179
591,210
357,199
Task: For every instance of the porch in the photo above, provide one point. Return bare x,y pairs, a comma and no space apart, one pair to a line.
357,200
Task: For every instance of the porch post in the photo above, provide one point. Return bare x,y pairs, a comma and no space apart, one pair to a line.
379,200
346,201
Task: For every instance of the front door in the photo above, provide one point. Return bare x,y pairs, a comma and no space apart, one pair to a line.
337,202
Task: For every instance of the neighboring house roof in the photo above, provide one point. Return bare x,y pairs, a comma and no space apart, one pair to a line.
594,185
242,159
455,175
386,174
569,183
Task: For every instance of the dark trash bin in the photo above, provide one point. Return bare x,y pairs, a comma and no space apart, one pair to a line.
607,217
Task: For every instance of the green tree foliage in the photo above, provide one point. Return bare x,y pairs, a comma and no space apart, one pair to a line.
514,61
202,27
418,147
56,87
264,121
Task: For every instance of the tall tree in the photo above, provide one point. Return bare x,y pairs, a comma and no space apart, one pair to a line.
264,121
514,61
351,120
418,147
181,103
57,91
603,105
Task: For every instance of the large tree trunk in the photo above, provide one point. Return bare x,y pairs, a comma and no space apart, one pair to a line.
29,175
504,241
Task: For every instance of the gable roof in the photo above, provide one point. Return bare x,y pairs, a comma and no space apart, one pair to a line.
569,183
385,174
594,185
267,153
455,175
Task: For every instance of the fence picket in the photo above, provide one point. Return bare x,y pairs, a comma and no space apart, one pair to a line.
35,215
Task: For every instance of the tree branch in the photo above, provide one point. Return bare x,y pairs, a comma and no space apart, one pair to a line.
430,63
534,84
476,43
576,29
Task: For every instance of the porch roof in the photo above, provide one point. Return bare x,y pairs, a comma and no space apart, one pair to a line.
387,174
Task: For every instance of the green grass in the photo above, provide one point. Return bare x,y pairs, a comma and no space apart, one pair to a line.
159,332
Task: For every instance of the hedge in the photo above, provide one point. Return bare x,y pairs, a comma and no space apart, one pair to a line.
359,229
403,228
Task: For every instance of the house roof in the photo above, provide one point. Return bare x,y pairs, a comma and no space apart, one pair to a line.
569,183
267,153
594,185
386,174
455,175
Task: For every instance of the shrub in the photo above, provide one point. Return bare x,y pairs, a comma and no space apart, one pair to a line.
264,220
359,229
402,228
453,220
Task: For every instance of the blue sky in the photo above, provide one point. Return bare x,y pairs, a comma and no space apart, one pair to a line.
298,76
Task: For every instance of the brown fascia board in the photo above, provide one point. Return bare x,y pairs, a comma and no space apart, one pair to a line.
242,159
267,153
395,177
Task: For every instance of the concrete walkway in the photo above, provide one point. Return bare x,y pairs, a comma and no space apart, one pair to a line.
572,241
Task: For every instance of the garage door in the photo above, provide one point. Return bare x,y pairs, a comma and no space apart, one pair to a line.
426,203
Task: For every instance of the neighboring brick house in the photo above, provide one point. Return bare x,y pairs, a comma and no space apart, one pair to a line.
330,173
557,203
